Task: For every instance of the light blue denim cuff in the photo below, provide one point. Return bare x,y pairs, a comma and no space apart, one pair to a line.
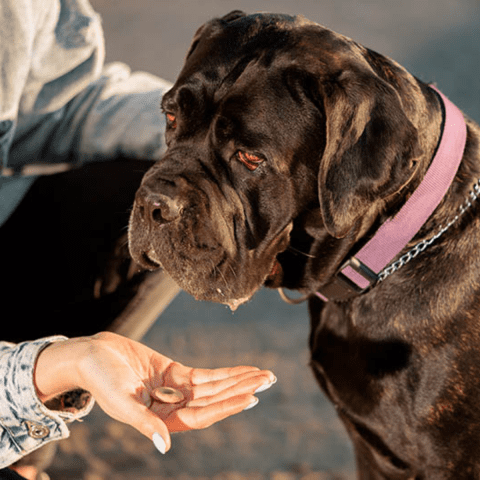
25,422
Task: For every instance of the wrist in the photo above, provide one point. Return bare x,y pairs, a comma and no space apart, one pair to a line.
55,369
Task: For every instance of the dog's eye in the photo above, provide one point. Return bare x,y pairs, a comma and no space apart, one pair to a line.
171,120
249,160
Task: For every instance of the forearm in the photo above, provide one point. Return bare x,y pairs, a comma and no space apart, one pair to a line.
116,116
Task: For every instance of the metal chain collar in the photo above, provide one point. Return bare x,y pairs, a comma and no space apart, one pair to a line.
424,244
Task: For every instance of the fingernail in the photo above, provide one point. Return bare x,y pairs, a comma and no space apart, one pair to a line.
266,386
248,407
159,443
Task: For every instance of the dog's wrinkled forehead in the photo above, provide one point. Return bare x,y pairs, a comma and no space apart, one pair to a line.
242,47
241,31
275,85
223,47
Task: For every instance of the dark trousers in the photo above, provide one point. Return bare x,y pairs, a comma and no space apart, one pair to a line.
63,236
7,474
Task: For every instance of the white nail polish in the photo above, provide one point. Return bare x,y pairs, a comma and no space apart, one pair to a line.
159,443
266,386
248,407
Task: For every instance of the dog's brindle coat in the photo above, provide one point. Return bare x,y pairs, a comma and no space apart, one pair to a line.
288,146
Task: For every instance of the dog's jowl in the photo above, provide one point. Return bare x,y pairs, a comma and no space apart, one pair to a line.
298,158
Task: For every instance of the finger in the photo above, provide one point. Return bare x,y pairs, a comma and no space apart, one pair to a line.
204,375
155,429
146,422
195,418
215,387
251,385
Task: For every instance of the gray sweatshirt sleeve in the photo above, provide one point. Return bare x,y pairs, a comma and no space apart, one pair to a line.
50,50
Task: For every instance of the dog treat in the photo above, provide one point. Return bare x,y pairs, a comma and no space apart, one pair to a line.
167,395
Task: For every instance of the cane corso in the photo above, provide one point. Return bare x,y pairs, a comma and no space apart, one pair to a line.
290,147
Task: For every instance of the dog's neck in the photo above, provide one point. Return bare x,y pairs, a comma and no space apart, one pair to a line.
366,268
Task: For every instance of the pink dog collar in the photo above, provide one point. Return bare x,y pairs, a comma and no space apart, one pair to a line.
361,271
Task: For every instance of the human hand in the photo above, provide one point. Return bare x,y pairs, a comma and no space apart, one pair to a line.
124,377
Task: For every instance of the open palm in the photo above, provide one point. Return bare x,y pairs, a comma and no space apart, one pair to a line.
124,377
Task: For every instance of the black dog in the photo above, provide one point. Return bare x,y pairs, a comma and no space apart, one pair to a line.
290,147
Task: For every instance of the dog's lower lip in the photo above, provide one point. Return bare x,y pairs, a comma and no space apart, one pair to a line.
276,268
149,262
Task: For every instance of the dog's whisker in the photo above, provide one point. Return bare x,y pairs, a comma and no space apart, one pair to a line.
223,277
295,250
216,272
233,271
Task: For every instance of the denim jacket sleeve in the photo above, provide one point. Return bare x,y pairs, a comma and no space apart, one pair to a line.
25,423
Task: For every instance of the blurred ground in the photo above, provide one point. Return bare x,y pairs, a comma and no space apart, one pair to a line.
292,429
293,433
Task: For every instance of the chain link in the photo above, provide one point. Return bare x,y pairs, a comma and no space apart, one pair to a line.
424,244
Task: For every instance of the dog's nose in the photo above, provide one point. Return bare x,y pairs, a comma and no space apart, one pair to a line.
157,207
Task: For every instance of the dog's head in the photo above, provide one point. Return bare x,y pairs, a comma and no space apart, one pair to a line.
271,116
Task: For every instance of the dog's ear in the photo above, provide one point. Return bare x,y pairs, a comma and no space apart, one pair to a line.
196,40
370,147
230,17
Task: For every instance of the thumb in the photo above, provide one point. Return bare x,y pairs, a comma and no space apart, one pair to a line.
154,429
147,423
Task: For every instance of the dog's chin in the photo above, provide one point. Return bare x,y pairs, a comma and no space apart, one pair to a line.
220,277
209,287
219,294
232,295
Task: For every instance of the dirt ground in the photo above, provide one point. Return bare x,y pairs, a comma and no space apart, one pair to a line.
293,433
